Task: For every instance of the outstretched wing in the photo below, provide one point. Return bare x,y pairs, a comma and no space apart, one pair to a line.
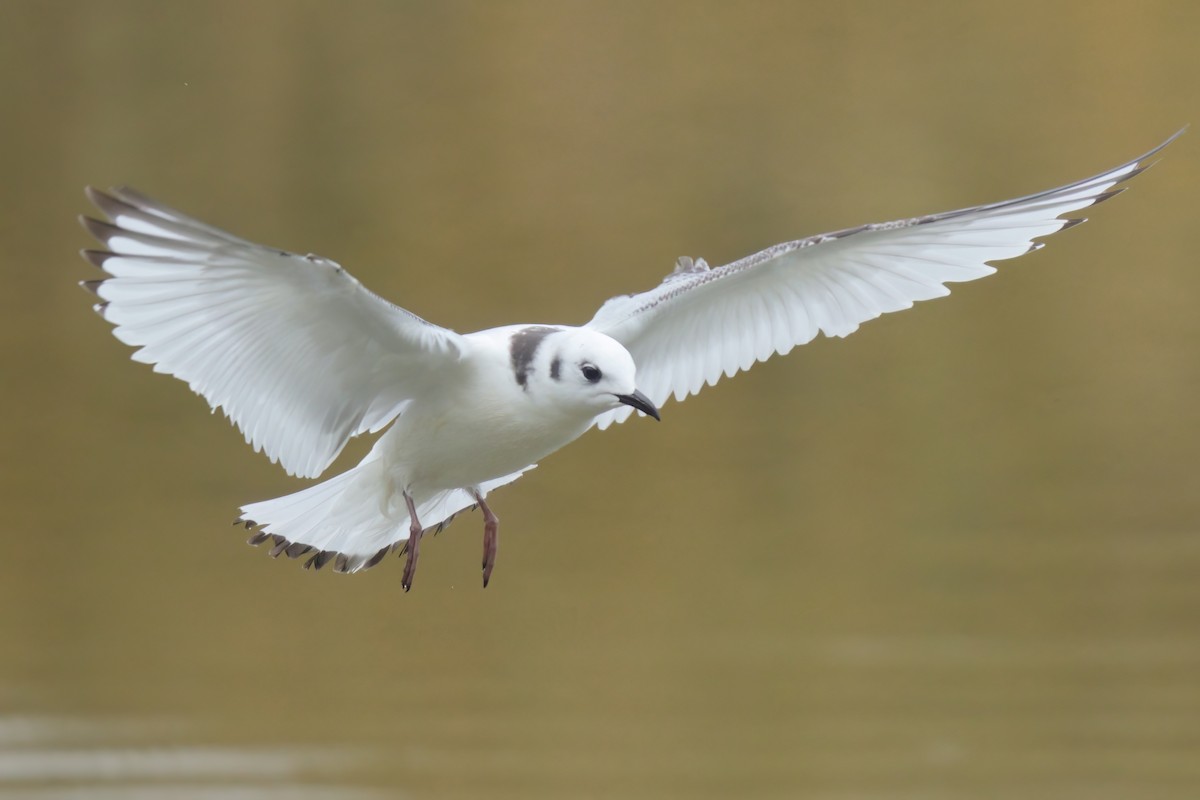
702,323
295,351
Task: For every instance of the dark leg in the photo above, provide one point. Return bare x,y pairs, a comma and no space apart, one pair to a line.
414,543
491,537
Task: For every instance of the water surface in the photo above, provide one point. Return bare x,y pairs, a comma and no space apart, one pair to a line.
954,555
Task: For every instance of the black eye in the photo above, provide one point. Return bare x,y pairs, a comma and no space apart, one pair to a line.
591,373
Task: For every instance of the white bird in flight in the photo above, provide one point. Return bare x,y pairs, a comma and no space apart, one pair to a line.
302,358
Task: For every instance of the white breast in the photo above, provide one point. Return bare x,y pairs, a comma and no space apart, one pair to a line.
482,425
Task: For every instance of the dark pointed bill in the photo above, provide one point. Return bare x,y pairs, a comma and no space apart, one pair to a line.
641,403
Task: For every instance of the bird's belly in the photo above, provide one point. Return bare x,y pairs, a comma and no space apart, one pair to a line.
430,449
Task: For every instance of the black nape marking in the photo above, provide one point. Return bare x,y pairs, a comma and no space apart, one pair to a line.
555,366
523,347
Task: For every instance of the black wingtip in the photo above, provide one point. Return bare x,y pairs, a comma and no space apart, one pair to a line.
100,231
96,197
1175,135
96,257
130,196
1144,162
92,286
1109,195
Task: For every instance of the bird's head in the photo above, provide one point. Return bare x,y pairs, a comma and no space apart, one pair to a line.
581,369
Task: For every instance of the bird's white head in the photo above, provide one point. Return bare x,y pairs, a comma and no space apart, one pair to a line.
576,370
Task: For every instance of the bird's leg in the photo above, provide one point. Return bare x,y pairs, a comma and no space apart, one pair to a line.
491,537
414,542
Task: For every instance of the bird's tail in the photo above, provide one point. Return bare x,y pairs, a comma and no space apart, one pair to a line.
353,519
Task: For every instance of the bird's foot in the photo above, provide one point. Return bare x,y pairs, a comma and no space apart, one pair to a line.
491,538
414,543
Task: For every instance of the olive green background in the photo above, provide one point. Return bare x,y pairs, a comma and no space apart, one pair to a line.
952,556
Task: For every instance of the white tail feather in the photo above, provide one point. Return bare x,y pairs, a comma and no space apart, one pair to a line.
358,513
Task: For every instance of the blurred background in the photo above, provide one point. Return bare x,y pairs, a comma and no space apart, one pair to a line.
952,556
